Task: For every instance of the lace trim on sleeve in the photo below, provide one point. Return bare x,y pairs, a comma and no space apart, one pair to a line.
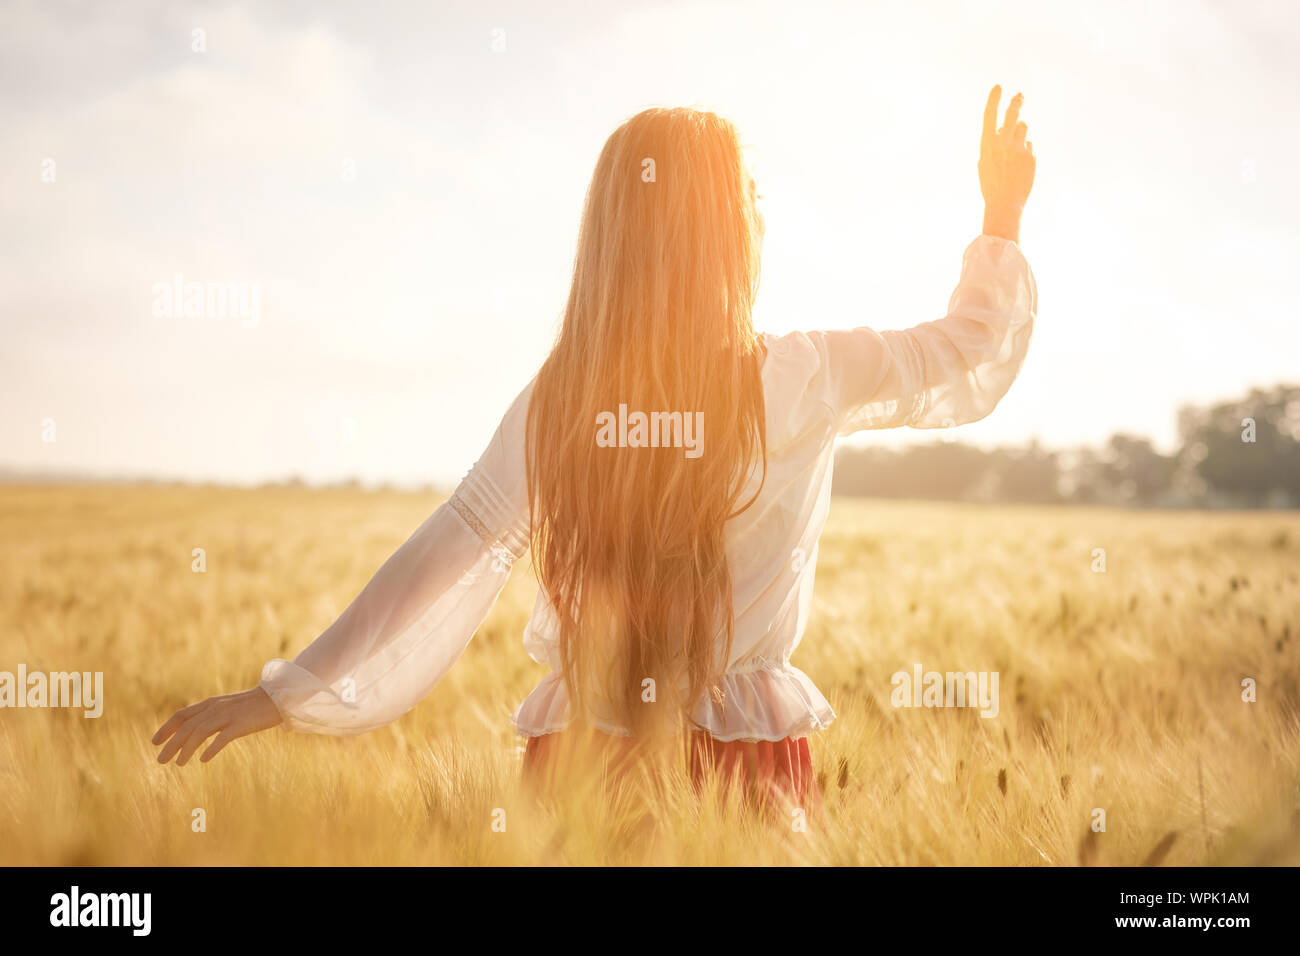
489,514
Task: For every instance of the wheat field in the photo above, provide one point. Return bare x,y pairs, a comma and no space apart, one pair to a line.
1120,691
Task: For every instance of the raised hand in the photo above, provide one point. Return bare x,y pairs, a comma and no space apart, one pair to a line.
1006,166
229,717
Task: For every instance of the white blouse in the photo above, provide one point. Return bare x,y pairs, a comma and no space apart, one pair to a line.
417,615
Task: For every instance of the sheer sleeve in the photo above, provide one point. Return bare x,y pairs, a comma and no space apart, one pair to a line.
416,616
947,372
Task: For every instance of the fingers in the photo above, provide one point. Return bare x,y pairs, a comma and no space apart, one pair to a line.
179,718
174,744
229,717
181,735
204,724
1013,114
990,121
223,738
195,740
1018,136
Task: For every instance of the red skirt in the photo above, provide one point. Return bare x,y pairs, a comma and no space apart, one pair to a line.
765,769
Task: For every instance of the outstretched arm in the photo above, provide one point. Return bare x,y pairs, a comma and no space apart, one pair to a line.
956,369
405,629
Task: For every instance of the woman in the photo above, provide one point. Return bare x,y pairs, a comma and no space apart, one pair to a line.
670,471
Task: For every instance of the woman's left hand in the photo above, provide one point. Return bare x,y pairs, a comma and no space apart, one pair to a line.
1006,167
229,717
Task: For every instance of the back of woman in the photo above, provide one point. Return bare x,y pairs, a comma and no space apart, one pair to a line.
669,470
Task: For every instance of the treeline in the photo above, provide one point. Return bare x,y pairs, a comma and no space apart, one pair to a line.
1243,454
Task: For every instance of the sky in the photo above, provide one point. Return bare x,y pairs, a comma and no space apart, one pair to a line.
399,185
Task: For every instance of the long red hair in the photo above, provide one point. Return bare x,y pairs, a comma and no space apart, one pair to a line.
628,542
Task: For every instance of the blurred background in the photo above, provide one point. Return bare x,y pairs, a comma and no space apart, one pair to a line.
378,205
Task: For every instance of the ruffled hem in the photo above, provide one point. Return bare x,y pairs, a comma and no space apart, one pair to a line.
769,703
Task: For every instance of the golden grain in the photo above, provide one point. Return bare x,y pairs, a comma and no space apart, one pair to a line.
1118,686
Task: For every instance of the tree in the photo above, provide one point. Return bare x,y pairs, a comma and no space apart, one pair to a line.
1246,450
